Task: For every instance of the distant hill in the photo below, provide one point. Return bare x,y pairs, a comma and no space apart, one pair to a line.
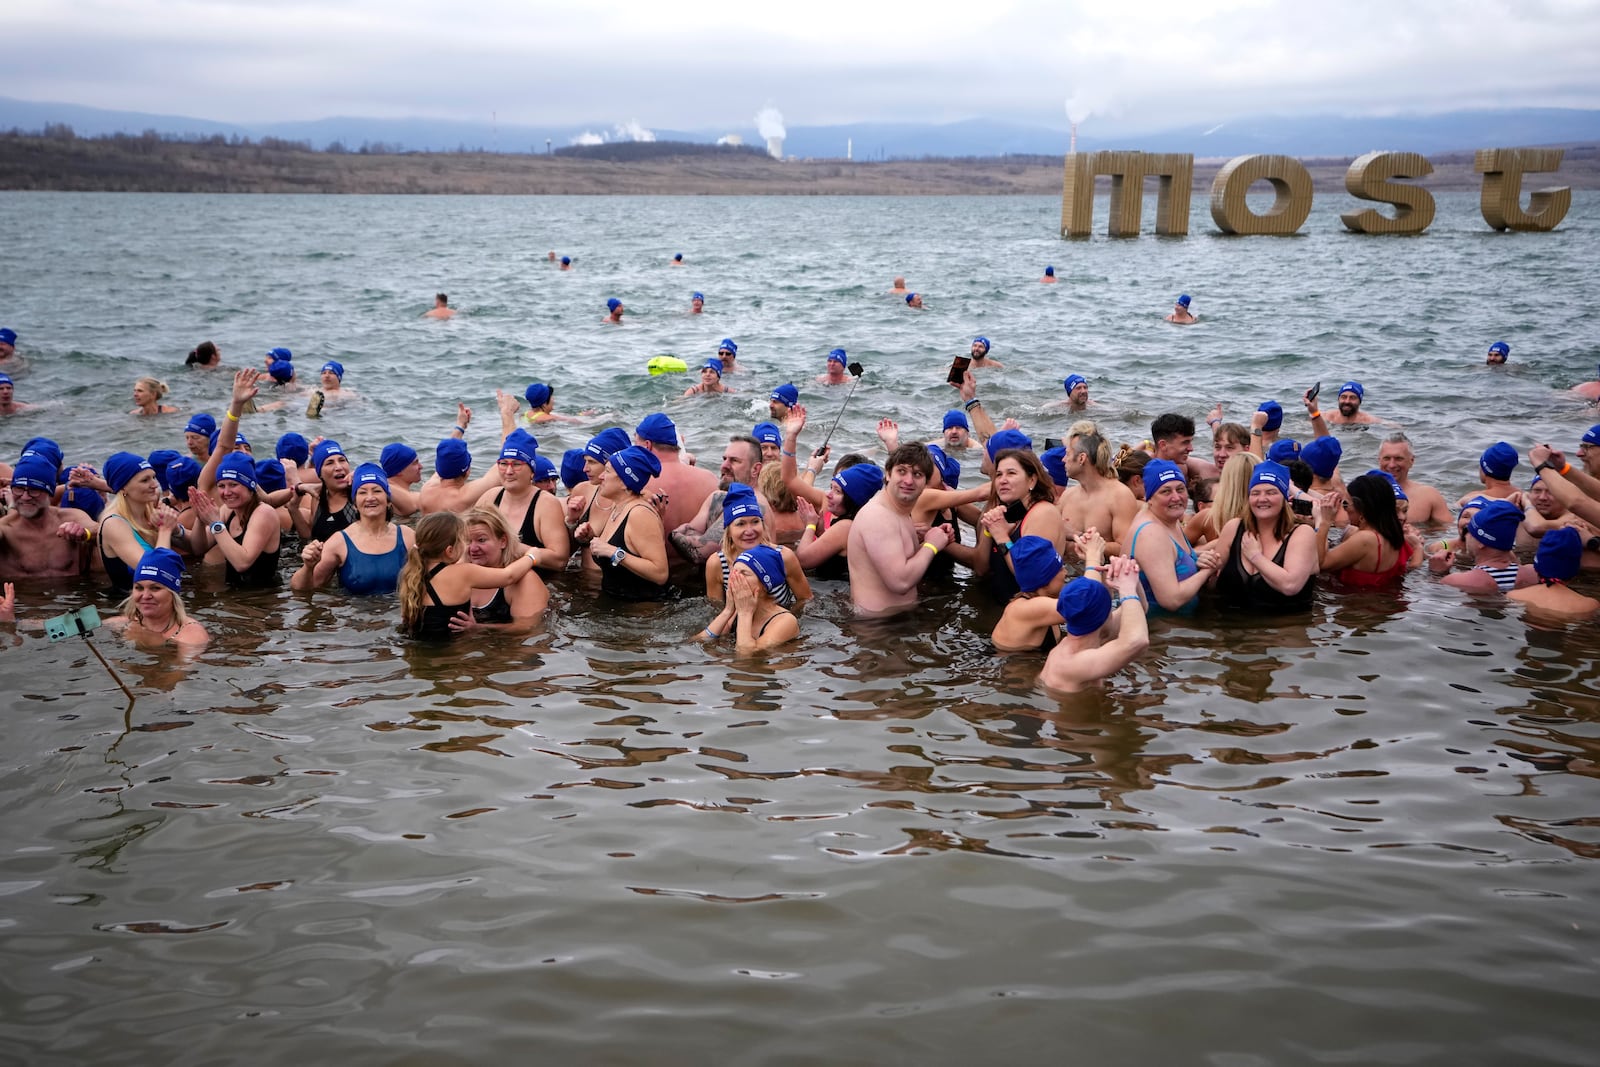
1322,135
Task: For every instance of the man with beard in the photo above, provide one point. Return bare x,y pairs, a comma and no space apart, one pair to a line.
886,559
38,539
701,536
1096,499
1351,394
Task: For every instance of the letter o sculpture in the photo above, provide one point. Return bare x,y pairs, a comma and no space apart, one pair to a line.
1291,184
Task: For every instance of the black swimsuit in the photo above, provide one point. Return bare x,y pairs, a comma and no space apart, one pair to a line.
262,574
1238,588
325,523
497,610
435,622
619,581
528,534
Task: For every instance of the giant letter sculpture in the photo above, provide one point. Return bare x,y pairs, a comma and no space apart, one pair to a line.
1290,181
1501,199
1127,171
1369,179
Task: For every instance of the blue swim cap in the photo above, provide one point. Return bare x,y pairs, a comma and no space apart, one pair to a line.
281,370
452,459
658,430
613,304
183,474
1054,461
566,260
293,446
949,469
1322,455
281,354
768,433
910,297
1499,460
122,468
956,417
48,450
324,451
1274,412
238,467
8,336
200,422
1399,493
859,483
635,466
1035,562
1500,348
271,476
739,502
158,463
984,341
786,394
1084,605
369,474
538,395
837,356
572,472
766,563
1353,387
1183,300
698,296
713,364
1283,450
34,472
84,499
396,457
727,345
1049,272
603,445
335,366
543,469
239,439
162,566
1591,436
677,257
1495,524
1560,554
1273,474
1072,381
1007,439
520,445
1159,472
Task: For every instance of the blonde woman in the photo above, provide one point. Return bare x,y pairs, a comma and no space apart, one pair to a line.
490,544
133,521
153,613
437,582
1230,502
147,394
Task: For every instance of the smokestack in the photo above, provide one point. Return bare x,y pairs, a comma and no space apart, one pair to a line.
1073,146
775,147
847,147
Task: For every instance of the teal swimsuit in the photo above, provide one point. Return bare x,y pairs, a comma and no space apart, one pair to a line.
1188,563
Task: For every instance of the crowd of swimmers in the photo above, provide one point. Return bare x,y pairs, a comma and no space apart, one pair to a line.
1074,543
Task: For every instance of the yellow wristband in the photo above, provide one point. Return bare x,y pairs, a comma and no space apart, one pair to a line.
811,526
232,417
927,545
987,534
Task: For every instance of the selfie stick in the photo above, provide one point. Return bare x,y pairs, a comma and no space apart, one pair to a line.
83,632
855,370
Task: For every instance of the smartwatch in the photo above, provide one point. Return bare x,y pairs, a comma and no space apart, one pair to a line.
616,557
218,526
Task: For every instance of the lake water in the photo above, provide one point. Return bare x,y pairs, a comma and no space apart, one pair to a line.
1370,838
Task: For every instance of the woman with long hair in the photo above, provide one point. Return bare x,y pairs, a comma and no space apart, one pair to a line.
824,544
1269,561
367,555
1229,501
243,534
134,521
153,613
1021,503
1375,552
436,583
491,543
787,521
204,355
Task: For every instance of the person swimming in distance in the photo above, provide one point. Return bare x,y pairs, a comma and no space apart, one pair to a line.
566,262
781,401
770,438
835,374
153,613
677,259
204,355
1049,276
1351,394
1499,352
1590,391
980,356
1181,315
1077,388
147,394
697,304
914,300
441,307
898,288
9,405
614,310
331,380
710,380
728,353
956,432
8,343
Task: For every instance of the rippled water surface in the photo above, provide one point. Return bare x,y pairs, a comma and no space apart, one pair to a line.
1368,835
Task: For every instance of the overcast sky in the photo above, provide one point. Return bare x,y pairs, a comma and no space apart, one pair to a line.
713,63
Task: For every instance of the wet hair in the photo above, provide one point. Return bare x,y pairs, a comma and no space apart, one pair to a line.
1300,474
1168,426
1233,433
913,454
1373,496
155,385
1129,465
493,520
204,353
776,490
1090,443
1043,486
848,460
435,534
1203,491
440,299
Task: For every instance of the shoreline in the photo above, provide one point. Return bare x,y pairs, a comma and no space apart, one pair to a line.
151,165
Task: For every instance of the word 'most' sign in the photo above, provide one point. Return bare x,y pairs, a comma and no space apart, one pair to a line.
1377,176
